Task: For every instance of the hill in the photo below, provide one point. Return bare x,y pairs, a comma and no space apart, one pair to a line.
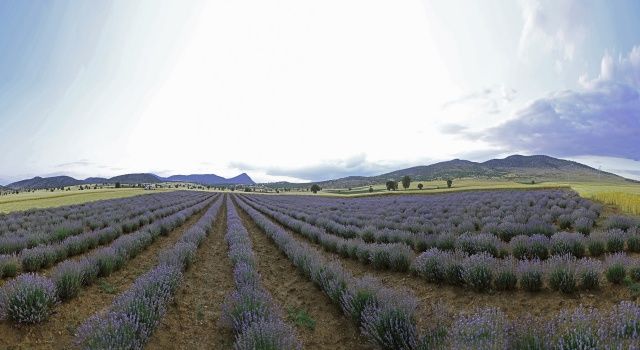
45,182
212,179
136,178
517,168
242,179
96,180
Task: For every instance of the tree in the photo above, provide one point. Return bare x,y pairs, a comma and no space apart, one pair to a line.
392,185
315,188
370,189
118,185
449,183
420,186
406,182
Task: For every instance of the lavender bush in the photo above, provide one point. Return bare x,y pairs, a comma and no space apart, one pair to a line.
68,278
561,270
29,298
531,274
616,267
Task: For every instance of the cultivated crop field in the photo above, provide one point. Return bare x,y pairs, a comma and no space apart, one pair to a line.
538,269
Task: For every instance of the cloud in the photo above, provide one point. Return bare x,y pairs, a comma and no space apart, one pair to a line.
555,26
357,165
602,118
453,129
490,100
624,69
78,163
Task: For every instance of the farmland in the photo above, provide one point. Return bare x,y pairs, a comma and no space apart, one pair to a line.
46,199
500,269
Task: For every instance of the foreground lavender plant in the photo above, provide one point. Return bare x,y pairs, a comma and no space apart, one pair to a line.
29,298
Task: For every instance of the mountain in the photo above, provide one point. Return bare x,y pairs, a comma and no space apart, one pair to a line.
205,179
65,181
45,182
96,180
242,179
212,179
136,178
537,168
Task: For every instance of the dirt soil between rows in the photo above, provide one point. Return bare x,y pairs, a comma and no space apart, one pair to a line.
291,289
545,303
191,321
58,331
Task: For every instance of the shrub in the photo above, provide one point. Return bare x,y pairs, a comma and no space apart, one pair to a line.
530,273
182,254
68,278
583,225
446,241
564,222
109,331
429,265
619,222
390,322
525,247
8,266
29,298
633,243
37,258
453,270
634,272
267,334
595,245
108,261
615,240
577,329
567,243
359,296
615,267
561,270
588,271
483,329
506,277
477,271
477,243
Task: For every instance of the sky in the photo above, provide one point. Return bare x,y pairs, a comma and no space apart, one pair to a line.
310,90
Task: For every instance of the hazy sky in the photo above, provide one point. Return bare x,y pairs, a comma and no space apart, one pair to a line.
307,90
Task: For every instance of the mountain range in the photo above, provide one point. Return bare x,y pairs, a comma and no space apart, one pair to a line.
538,168
65,181
518,168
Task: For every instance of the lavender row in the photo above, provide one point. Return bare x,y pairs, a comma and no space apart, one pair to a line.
520,247
134,315
580,328
250,310
121,214
505,213
386,316
29,298
45,256
564,273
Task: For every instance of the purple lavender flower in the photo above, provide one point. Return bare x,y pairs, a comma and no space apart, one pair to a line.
29,298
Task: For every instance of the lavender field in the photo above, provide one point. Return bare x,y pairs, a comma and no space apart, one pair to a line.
541,269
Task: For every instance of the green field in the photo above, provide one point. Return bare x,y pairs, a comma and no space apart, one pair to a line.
45,199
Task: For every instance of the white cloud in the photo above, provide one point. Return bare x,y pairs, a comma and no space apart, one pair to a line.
555,26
